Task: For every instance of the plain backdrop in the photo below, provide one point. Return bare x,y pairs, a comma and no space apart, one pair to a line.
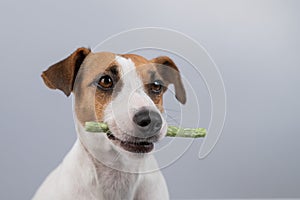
255,44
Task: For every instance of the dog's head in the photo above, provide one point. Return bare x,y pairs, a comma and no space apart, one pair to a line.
125,91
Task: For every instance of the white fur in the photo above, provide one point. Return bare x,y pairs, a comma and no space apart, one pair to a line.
96,169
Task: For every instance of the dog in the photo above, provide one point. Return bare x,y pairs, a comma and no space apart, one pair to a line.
126,92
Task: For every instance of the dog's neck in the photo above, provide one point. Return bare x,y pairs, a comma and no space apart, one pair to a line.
118,164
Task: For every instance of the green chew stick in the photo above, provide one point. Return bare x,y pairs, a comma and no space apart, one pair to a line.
172,131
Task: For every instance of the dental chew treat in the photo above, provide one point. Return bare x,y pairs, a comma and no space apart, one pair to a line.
173,131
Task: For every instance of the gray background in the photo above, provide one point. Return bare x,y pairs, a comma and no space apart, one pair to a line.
254,43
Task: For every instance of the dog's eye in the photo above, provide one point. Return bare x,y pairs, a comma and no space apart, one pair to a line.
105,82
156,87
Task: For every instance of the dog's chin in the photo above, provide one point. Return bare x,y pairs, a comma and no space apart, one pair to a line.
134,144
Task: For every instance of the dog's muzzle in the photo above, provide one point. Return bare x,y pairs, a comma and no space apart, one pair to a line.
147,122
147,129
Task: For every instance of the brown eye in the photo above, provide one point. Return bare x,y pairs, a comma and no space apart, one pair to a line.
156,87
105,82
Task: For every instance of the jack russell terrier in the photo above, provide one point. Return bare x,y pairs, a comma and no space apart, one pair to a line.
125,91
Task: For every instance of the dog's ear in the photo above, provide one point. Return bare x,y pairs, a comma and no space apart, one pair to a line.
62,74
169,71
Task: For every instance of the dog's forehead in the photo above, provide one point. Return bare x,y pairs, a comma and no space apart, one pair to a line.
97,63
102,60
145,68
136,59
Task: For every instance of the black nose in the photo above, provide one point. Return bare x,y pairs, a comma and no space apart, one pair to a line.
148,121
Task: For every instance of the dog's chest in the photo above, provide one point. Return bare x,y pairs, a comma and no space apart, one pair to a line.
116,184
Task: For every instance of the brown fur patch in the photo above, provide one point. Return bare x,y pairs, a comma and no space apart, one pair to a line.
90,102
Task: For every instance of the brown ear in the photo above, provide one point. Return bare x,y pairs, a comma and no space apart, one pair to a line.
62,74
169,71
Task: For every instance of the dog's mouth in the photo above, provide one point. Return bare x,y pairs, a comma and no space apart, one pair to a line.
132,146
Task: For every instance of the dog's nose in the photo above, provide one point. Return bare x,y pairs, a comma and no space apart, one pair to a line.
147,121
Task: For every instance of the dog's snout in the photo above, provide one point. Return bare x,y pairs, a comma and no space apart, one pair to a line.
148,121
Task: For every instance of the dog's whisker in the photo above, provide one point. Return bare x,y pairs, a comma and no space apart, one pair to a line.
171,116
172,110
173,119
